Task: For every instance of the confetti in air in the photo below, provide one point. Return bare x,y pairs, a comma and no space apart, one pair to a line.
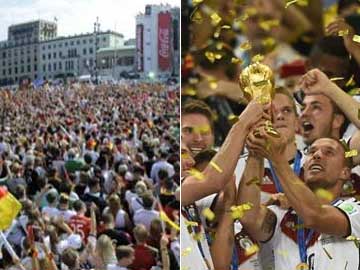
324,194
351,153
208,214
186,251
215,19
245,46
337,79
216,167
356,38
198,175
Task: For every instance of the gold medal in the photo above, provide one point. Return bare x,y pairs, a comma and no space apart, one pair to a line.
302,266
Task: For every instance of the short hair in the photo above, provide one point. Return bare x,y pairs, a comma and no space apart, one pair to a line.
124,252
286,92
195,106
148,200
69,257
346,122
140,233
163,174
108,218
78,205
64,198
51,197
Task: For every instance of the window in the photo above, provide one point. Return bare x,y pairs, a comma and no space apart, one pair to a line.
104,39
4,54
54,55
54,66
4,72
49,67
91,51
71,43
28,60
60,45
84,51
21,61
22,69
43,47
60,65
10,71
60,54
35,67
84,41
44,68
90,40
49,56
78,42
66,44
54,46
3,63
28,68
16,70
49,46
35,59
43,57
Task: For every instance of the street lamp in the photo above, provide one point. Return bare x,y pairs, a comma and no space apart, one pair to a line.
96,32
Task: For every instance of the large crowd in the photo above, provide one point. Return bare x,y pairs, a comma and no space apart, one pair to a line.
96,170
270,135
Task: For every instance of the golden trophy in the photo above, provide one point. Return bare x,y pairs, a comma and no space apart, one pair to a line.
257,83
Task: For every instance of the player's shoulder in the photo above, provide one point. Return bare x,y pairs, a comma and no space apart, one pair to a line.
351,206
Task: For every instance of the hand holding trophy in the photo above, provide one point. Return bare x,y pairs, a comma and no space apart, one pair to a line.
257,83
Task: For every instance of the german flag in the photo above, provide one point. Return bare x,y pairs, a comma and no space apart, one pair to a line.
9,208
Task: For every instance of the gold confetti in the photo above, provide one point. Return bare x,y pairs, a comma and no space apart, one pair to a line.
213,85
257,58
237,212
251,250
215,19
254,181
198,237
185,156
355,91
324,194
343,33
217,32
356,38
196,2
327,253
268,24
243,17
268,42
302,266
226,27
210,56
196,16
232,117
208,214
219,45
186,251
189,91
198,175
250,11
289,3
350,82
165,218
245,46
337,79
216,167
351,153
191,223
235,60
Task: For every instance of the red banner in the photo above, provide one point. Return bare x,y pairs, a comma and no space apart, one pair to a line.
164,53
140,47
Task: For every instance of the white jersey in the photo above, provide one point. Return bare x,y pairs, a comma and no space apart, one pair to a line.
191,256
325,251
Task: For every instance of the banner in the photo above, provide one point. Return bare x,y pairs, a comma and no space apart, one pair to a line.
164,53
139,47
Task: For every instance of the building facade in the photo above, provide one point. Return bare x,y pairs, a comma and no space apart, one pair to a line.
34,51
158,41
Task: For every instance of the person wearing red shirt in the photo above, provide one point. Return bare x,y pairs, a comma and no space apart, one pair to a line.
145,255
80,223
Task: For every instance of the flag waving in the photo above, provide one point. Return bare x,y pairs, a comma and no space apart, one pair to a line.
9,208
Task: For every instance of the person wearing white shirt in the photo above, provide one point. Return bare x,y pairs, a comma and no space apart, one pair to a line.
146,215
316,227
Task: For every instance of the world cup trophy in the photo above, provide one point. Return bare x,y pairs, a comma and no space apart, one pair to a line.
257,83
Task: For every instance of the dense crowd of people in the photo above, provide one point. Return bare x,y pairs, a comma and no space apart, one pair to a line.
270,169
96,170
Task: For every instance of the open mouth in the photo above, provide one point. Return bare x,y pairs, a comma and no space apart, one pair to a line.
316,168
307,126
196,150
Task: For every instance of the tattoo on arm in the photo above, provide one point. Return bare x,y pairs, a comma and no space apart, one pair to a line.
269,222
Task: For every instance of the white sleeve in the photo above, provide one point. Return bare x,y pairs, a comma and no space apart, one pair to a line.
279,213
351,208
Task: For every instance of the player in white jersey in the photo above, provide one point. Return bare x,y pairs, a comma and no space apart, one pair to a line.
214,178
312,234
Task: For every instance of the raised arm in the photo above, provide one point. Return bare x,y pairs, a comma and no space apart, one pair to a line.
323,218
214,179
315,82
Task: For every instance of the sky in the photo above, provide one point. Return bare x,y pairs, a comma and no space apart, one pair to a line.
77,16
